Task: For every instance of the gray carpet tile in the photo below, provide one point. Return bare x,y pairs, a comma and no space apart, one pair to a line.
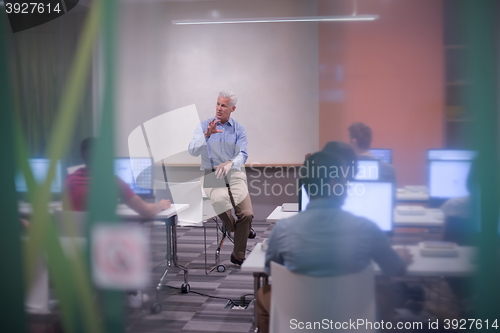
192,312
200,313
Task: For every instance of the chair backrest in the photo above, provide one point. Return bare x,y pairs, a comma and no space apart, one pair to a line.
299,298
186,193
162,138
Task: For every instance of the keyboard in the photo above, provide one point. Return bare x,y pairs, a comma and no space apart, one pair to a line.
410,210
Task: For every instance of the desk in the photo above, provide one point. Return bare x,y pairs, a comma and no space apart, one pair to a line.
124,212
24,208
462,265
37,300
169,217
255,263
432,218
279,214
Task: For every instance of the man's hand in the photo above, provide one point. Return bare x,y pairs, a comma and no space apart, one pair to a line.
163,204
405,254
222,169
212,128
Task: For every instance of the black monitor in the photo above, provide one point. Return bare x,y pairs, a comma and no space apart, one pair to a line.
448,171
137,173
383,154
373,200
39,168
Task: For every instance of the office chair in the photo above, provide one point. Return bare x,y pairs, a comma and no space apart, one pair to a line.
312,299
71,227
198,213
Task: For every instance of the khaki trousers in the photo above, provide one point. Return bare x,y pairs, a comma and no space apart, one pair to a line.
222,204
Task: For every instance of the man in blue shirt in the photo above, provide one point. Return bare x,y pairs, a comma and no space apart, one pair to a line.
325,240
222,144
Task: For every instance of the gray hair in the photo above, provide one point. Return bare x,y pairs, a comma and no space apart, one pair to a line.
229,94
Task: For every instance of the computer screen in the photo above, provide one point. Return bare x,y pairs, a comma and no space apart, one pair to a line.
303,198
367,170
451,155
448,172
448,179
372,200
382,154
137,173
39,168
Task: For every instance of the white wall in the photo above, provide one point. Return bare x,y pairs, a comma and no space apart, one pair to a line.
273,67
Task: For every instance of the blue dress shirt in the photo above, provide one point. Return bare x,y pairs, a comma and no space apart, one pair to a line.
324,240
230,145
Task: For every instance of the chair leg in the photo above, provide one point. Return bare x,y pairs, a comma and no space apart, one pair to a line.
217,266
173,238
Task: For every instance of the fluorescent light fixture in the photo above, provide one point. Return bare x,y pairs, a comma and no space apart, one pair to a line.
280,19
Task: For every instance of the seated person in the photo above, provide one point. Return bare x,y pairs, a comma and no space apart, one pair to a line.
360,139
343,149
324,240
459,226
222,143
76,185
340,148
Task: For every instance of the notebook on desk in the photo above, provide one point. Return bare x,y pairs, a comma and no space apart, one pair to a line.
210,179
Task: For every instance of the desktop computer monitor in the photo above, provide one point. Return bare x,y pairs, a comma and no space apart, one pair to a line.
373,200
137,173
367,170
448,172
448,179
382,154
451,155
39,168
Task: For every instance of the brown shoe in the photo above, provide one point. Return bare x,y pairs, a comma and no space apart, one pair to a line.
236,261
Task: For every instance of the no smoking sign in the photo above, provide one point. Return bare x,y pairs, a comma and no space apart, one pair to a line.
120,256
